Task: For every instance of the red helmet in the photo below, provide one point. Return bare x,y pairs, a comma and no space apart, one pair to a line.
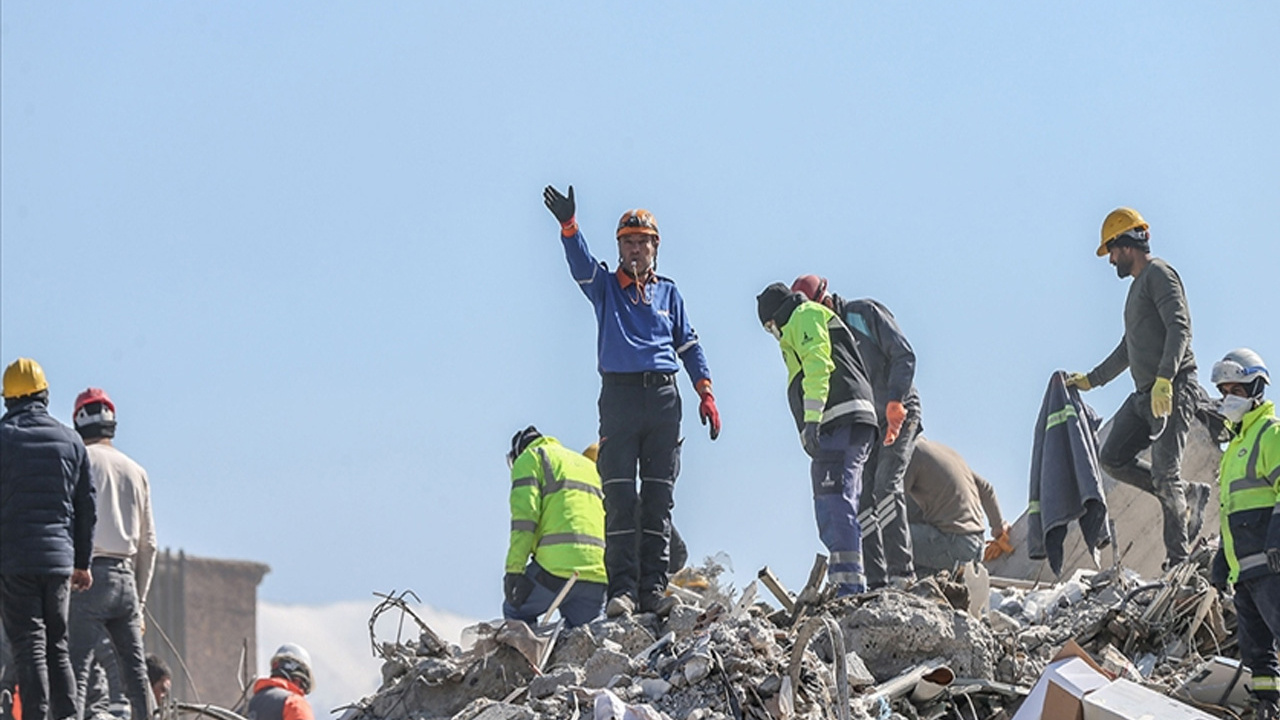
107,413
811,286
637,222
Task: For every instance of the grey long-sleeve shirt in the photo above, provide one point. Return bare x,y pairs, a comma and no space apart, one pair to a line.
1157,330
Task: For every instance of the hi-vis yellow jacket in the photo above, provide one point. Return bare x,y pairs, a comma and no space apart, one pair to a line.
1249,488
557,512
826,382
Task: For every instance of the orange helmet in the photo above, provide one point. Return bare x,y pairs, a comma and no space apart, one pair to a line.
637,222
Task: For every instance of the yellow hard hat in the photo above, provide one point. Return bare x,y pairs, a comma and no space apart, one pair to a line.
592,451
1118,222
23,377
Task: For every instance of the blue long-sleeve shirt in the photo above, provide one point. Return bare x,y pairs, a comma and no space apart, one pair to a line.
636,332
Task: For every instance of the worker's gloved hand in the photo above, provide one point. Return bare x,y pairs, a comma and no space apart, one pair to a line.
809,438
559,205
516,588
1162,398
1078,380
895,414
1273,560
998,547
707,410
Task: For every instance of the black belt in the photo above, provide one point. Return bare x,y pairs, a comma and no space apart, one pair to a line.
647,379
549,581
109,560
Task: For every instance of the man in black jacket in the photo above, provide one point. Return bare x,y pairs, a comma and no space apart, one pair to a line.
47,514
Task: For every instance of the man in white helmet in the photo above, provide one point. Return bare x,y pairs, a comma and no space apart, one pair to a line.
283,695
1249,485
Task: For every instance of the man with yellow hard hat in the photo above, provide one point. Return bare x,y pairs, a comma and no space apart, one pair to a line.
46,538
1156,349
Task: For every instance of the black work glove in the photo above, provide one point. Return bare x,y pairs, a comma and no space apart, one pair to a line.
809,438
516,588
559,205
1273,560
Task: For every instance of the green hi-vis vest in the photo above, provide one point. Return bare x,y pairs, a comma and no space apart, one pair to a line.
1249,487
557,512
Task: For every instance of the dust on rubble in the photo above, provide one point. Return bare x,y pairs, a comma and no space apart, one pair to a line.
947,646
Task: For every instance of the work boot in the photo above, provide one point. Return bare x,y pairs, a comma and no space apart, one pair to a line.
1197,499
660,605
900,582
619,605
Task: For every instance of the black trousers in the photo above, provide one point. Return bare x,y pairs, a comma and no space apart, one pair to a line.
1131,431
35,619
639,432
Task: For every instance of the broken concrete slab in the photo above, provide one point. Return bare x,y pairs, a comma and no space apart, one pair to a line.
554,681
605,664
489,710
893,631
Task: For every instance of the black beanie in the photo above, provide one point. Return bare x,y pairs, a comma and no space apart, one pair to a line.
770,300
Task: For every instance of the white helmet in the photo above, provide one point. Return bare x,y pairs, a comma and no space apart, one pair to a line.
1242,366
293,663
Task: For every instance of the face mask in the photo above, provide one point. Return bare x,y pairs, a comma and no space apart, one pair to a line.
772,328
1234,407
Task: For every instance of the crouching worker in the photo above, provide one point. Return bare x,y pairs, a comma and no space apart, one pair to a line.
947,502
283,695
1249,557
557,517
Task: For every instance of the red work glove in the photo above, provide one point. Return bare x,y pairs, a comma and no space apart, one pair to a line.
896,414
707,408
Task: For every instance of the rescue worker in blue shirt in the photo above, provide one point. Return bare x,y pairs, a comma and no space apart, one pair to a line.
1249,490
643,334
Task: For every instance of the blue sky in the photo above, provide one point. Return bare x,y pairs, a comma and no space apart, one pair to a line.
302,245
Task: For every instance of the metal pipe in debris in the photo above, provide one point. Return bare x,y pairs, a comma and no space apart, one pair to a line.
907,681
772,582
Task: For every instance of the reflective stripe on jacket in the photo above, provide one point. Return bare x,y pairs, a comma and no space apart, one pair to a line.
826,382
1249,488
557,512
638,329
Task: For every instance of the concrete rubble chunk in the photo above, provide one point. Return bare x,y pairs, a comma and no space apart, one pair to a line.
489,710
891,653
894,631
607,663
574,647
555,680
683,619
654,688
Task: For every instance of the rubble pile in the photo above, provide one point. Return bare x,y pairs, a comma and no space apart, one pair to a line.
963,646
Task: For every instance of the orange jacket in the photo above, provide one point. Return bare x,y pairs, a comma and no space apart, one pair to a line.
278,699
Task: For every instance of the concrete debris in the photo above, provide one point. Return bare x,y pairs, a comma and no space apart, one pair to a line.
968,647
